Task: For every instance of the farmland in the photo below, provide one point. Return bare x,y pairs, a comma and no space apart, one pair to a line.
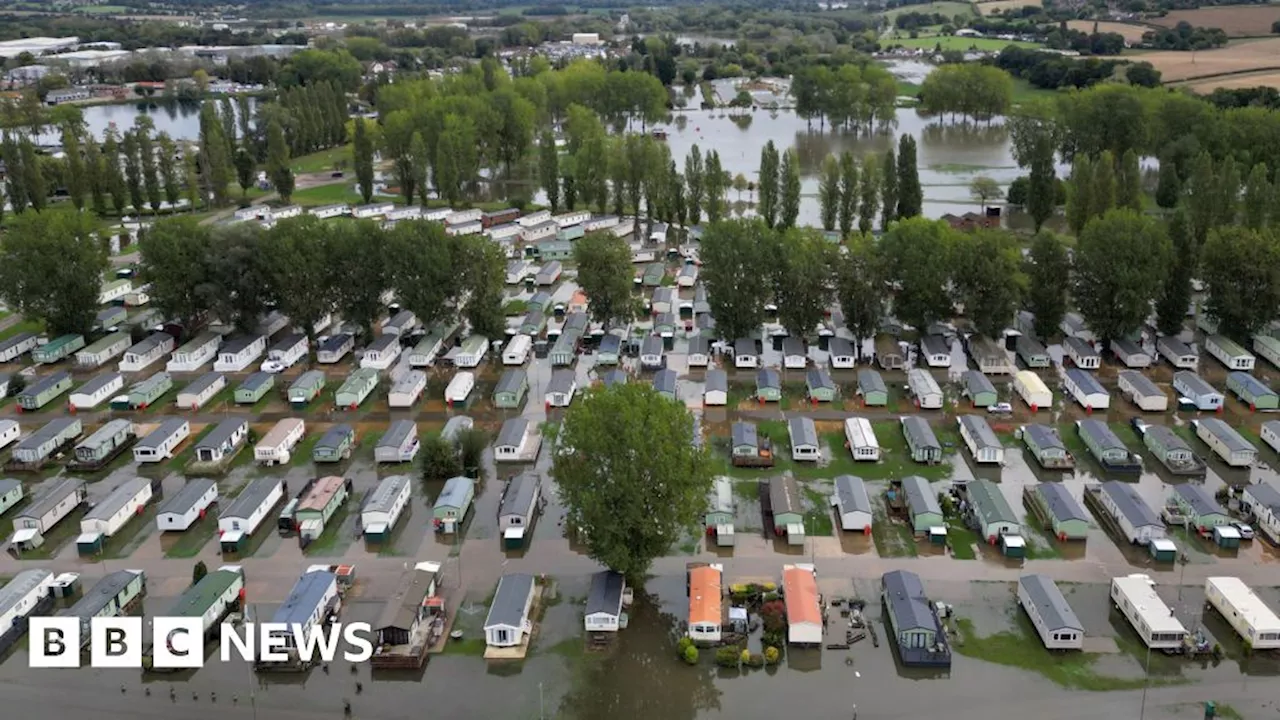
1131,33
1235,20
1265,78
951,42
1236,58
995,6
947,9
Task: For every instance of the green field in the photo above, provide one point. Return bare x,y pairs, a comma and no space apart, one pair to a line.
339,192
951,42
102,9
323,161
949,9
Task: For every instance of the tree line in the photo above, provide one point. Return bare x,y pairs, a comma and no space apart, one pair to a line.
970,90
853,95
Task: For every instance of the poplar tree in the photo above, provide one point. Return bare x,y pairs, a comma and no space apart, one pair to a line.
889,189
1257,195
1103,196
789,173
910,195
693,178
133,171
169,168
848,192
768,185
77,180
216,163
868,194
418,151
1129,186
1175,294
1202,198
1080,199
112,178
716,185
278,161
95,173
549,168
1228,192
829,192
15,178
364,160
1168,185
33,176
147,162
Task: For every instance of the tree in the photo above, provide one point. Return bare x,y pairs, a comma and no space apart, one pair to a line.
245,171
977,257
15,187
1042,181
731,253
191,178
740,184
1202,197
715,184
803,280
174,252
297,258
77,179
860,289
1228,192
1168,185
216,164
910,195
95,174
630,512
768,189
1175,295
33,176
278,168
1102,195
440,460
1080,197
420,160
605,275
889,189
828,192
199,570
868,194
484,269
358,260
789,206
169,169
982,189
917,256
1120,261
1241,269
363,152
112,178
848,193
549,168
425,273
1257,195
693,178
1129,182
133,171
147,162
1048,271
51,265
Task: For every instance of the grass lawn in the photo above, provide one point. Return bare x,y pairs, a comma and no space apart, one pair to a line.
892,538
818,520
58,536
951,42
32,326
332,194
1024,91
949,9
1021,648
325,160
191,542
962,540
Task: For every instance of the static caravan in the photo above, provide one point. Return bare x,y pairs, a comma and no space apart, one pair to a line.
1106,447
112,596
1199,509
803,434
1136,520
10,430
610,350
450,508
794,354
1135,596
699,353
805,620
331,211
548,274
306,388
359,385
871,388
1252,391
383,508
1033,391
1046,445
819,386
254,388
459,388
272,323
372,210
406,391
912,621
715,388
312,602
334,348
318,505
518,441
27,594
144,394
788,510
989,356
143,354
201,391
181,510
1192,387
706,602
1144,393
1086,390
1177,353
399,444
600,222
46,511
44,391
1073,325
978,388
517,270
103,350
840,354
239,353
335,445
1081,353
276,446
115,511
39,446
1262,503
289,350
243,516
1130,353
889,353
1229,353
1244,611
516,511
96,391
223,441
114,290
1066,518
425,352
991,512
608,596
861,439
1270,434
534,322
439,215
1032,354
517,351
1171,450
652,352
536,217
508,624
110,317
511,388
471,352
1053,618
58,349
768,385
852,504
936,351
1267,346
921,442
562,386
195,353
381,353
159,444
17,345
981,440
925,390
1229,444
745,354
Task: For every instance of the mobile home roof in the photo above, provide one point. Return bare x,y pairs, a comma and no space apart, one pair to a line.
905,595
1154,612
52,498
117,499
1100,433
512,432
1245,601
304,598
1133,507
981,432
1050,604
17,589
519,495
198,598
1227,434
1199,499
252,497
1044,436
221,433
989,502
186,498
1060,502
852,493
383,497
397,432
1140,383
162,432
920,496
98,597
321,493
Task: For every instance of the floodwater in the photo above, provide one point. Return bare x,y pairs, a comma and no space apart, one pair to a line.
181,119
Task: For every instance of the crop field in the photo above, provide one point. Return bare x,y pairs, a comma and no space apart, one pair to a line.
1234,59
1230,82
994,6
1131,33
951,42
1235,20
949,9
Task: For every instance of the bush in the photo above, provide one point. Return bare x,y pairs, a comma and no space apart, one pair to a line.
773,638
744,657
684,644
727,657
691,655
771,655
769,597
755,660
774,615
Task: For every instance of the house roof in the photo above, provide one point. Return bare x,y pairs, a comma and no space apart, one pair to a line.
665,381
222,433
1140,384
162,432
397,432
383,498
456,493
784,497
252,497
1198,499
768,378
819,378
904,593
321,492
513,432
744,346
1050,605
335,436
98,383
802,432
989,503
744,433
851,492
1263,494
1194,383
1085,382
50,499
1100,434
185,499
562,381
519,496
1166,437
198,598
800,591
870,381
1227,434
606,593
1130,504
509,601
100,596
920,496
705,595
305,597
918,431
402,611
17,589
1060,502
716,380
975,382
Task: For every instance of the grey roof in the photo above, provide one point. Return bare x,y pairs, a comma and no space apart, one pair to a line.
1266,495
784,495
50,499
1085,381
910,606
562,381
401,319
819,378
519,496
606,593
1051,606
98,383
1140,384
744,433
251,497
1130,504
397,432
45,383
870,381
185,499
403,610
540,299
162,432
16,590
16,340
511,381
1199,499
768,378
610,344
920,497
512,432
335,436
305,597
100,596
237,344
287,342
716,380
1250,384
202,383
1174,346
665,381
744,346
980,430
307,379
838,346
1028,345
918,430
256,380
1081,347
576,321
1166,437
975,382
334,342
149,343
1126,346
221,433
1194,383
1044,436
1100,433
699,346
793,346
509,601
455,492
802,432
383,343
934,345
614,377
652,346
7,485
1060,502
117,499
383,497
664,295
666,318
989,503
1227,434
852,493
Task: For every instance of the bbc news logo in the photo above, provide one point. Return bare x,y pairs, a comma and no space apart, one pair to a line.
117,642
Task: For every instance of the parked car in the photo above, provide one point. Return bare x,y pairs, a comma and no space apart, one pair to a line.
1139,426
273,366
1000,408
1246,530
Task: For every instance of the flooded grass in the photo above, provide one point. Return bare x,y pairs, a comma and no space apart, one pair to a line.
58,536
818,520
302,452
189,544
962,540
1040,546
892,537
336,538
131,536
179,461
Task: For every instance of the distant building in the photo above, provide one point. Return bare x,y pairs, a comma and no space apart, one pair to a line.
586,39
974,221
58,97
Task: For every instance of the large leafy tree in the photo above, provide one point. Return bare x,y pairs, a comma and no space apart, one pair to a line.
425,272
803,279
789,176
1048,271
978,258
175,255
1242,272
297,257
484,268
631,477
829,192
1175,294
910,194
549,168
889,189
605,275
278,168
358,261
1120,262
860,289
51,267
917,254
242,282
848,193
731,253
